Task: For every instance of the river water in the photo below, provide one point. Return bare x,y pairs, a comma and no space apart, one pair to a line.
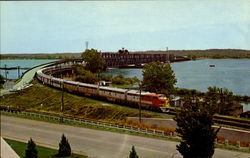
233,74
25,63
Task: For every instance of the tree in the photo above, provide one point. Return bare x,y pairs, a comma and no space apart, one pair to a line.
195,127
64,147
78,69
159,78
1,81
31,151
133,153
222,99
93,59
83,75
87,77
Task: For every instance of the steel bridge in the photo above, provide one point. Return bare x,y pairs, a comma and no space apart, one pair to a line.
125,59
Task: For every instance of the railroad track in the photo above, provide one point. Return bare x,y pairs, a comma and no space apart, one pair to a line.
220,120
223,120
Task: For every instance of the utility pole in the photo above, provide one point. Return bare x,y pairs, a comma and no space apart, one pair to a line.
167,55
87,44
62,105
5,66
222,102
140,86
18,70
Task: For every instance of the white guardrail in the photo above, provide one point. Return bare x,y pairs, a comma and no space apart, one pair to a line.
77,121
89,122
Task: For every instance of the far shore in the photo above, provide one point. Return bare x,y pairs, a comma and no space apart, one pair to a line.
193,54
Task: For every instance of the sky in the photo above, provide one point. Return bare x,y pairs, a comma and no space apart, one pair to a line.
65,26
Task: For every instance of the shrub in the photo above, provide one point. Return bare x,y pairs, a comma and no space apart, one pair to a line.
31,151
64,147
88,77
133,153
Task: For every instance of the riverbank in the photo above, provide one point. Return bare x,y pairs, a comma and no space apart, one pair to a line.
193,54
40,98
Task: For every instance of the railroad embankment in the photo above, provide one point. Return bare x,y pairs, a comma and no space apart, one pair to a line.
230,134
41,98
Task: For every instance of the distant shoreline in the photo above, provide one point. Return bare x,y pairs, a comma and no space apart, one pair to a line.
193,54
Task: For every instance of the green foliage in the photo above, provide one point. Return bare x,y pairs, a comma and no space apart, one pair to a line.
64,147
209,53
222,99
195,127
43,152
133,80
78,69
40,98
31,151
133,153
105,77
119,79
93,59
1,81
187,92
159,78
87,77
83,75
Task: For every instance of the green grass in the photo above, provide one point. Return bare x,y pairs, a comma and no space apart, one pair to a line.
41,98
43,152
229,147
95,127
116,130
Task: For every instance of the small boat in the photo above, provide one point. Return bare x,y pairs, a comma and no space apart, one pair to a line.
211,65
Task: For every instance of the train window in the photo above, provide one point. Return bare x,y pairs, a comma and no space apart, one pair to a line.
162,97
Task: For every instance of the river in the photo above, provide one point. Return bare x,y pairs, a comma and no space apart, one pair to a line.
24,63
233,74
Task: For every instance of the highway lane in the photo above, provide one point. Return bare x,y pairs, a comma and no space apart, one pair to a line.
101,144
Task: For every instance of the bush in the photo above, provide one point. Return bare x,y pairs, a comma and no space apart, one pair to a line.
105,78
119,79
79,69
31,151
64,148
133,153
88,77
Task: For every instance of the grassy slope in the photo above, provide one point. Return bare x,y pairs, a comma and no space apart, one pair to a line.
45,99
20,147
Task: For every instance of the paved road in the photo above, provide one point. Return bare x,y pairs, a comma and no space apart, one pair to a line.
101,144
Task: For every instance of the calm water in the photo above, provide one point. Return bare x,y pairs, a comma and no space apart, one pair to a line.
234,74
27,63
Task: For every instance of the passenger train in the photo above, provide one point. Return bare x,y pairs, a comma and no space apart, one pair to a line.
148,100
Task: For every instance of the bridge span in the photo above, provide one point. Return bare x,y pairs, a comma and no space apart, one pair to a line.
126,59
